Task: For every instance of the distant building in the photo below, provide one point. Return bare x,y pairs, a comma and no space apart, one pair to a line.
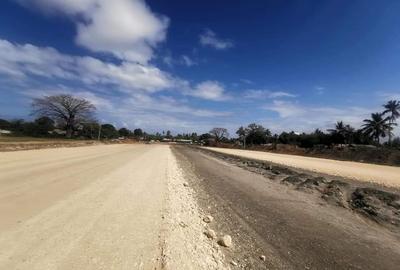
184,141
3,131
58,131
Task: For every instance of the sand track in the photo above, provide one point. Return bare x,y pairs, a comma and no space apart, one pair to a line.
380,174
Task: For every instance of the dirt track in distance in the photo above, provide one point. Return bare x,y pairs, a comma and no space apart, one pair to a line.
380,174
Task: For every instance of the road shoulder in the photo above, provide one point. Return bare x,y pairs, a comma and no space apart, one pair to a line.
185,245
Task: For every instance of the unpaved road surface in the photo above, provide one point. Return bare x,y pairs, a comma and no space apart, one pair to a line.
142,207
101,207
291,228
380,174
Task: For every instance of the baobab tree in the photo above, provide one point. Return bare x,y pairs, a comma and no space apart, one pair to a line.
64,109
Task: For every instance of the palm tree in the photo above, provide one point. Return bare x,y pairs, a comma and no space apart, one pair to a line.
377,126
339,128
345,131
393,108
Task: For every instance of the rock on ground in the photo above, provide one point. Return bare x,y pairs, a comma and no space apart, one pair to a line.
225,241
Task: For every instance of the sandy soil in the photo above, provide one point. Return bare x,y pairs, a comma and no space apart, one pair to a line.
8,143
291,228
100,207
380,174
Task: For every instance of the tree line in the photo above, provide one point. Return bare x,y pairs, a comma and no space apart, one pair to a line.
379,125
66,116
69,116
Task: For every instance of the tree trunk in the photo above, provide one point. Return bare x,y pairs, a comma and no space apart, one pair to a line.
69,132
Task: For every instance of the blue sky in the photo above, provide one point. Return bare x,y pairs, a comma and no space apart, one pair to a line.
193,65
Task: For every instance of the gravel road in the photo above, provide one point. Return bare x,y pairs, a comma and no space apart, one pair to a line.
143,207
292,229
100,207
380,174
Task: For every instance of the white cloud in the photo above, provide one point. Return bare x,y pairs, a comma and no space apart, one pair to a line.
121,92
210,90
210,38
186,60
168,60
263,94
128,29
307,118
23,61
168,105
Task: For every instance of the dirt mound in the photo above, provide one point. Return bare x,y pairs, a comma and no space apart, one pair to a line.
335,193
379,205
313,183
293,180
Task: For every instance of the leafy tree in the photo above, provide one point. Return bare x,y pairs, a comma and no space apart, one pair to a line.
219,133
257,134
377,127
17,126
4,124
392,108
168,136
42,126
137,132
242,133
108,131
205,136
89,130
124,132
396,142
289,138
64,109
194,137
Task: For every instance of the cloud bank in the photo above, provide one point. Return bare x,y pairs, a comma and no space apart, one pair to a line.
127,29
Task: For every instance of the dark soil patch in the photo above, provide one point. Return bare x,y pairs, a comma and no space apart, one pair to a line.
381,206
316,183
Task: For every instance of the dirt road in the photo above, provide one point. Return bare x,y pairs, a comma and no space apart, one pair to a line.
291,228
101,207
142,207
385,175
